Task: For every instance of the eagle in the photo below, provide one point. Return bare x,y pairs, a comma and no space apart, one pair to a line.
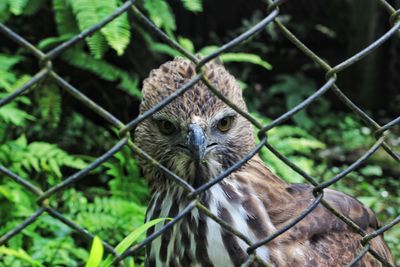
197,136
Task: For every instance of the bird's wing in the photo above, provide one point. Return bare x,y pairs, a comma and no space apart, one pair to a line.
325,238
321,236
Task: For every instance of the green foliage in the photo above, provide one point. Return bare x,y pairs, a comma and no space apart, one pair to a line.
48,100
117,32
161,14
41,131
295,89
96,252
9,8
48,242
193,5
345,129
74,16
21,254
237,57
9,82
64,18
103,69
87,16
110,217
125,172
225,57
296,144
17,6
42,158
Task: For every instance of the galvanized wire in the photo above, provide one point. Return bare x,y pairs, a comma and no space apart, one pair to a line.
272,8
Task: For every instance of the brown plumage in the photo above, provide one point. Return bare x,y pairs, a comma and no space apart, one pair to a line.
197,136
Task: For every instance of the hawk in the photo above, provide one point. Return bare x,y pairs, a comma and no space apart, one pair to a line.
197,136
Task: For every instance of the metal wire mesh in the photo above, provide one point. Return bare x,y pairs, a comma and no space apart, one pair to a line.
125,140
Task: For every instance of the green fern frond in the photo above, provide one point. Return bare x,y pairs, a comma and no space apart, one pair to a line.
161,14
193,5
8,61
130,83
7,77
17,6
86,14
106,216
4,11
20,254
105,70
38,157
117,32
53,41
84,61
64,17
49,104
124,171
10,114
34,6
293,142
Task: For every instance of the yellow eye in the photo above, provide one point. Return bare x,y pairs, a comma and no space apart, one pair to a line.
166,127
225,123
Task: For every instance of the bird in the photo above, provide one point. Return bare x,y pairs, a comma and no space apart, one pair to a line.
197,136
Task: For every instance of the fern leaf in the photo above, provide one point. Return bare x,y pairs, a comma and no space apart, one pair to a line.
40,157
34,6
165,49
53,41
246,57
105,70
130,83
21,254
4,11
13,115
161,14
193,5
64,17
49,103
8,61
86,14
237,57
117,32
7,77
186,43
17,6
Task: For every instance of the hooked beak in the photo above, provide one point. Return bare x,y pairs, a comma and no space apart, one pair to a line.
197,142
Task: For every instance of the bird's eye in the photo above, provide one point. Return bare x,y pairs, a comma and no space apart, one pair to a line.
166,127
225,123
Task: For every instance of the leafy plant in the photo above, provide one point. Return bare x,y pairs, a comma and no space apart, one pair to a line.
21,254
296,88
106,71
294,143
96,252
193,5
88,13
46,135
24,158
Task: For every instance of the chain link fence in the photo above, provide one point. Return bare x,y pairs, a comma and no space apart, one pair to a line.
47,71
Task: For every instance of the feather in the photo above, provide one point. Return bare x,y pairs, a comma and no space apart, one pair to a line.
252,199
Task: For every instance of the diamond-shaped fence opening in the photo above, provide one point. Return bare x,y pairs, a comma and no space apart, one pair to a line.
273,17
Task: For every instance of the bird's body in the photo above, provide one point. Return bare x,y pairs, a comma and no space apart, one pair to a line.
197,136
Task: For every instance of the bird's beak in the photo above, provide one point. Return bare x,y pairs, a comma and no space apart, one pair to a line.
197,142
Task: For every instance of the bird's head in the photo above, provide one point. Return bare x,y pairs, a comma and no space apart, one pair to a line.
197,135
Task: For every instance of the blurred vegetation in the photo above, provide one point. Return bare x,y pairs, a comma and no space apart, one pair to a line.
46,135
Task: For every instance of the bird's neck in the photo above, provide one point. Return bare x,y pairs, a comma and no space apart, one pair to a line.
241,200
253,175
